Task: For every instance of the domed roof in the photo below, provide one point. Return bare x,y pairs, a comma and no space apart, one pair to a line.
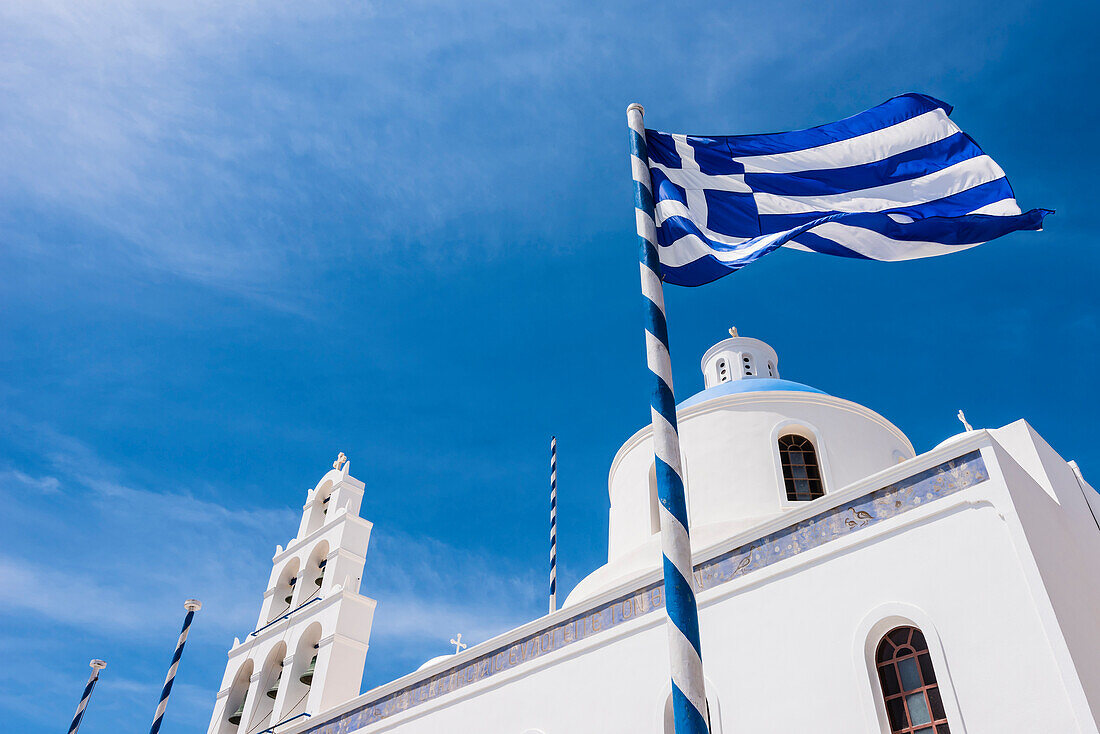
436,659
758,384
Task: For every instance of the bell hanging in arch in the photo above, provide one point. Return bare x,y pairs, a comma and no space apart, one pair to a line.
235,717
307,676
274,690
288,597
320,571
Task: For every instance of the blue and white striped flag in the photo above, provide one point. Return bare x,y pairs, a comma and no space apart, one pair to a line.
897,182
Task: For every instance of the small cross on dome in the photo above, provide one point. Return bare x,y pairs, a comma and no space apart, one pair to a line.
340,461
733,331
458,643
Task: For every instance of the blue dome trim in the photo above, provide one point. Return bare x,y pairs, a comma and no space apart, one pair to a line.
752,384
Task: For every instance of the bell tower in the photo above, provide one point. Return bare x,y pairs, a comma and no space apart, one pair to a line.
309,646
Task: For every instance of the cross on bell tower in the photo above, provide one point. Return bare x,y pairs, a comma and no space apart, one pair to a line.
309,646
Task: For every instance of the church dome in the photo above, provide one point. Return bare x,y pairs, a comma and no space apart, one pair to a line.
436,659
760,384
744,439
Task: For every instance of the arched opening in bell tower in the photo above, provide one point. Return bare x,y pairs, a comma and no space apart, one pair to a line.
235,702
283,599
299,679
320,512
268,690
313,575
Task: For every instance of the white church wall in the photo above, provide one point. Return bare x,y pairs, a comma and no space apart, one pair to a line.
789,646
1061,538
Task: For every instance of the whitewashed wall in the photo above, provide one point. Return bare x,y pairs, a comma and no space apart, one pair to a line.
788,648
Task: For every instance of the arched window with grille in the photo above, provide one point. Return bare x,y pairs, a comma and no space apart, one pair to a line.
801,473
909,688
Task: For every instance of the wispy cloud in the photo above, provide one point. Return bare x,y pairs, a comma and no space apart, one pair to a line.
173,134
136,552
37,485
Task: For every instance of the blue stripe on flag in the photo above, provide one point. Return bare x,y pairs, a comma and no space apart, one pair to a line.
891,112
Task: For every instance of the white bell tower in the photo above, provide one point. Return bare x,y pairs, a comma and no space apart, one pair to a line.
307,652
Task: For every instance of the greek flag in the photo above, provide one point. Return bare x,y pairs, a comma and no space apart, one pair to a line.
897,182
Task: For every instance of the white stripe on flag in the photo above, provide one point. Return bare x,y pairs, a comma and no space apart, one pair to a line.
697,180
867,148
1002,208
880,247
945,182
690,248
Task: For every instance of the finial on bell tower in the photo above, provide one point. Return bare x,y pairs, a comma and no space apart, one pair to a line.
339,463
733,331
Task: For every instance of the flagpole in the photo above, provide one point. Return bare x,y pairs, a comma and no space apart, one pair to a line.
553,524
97,665
192,606
689,702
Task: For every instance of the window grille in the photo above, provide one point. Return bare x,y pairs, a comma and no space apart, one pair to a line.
913,701
801,474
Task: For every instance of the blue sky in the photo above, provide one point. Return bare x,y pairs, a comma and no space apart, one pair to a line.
237,238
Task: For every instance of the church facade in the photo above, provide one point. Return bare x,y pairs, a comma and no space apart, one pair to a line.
845,584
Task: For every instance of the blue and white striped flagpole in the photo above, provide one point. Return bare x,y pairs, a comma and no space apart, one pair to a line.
689,702
192,606
553,524
97,665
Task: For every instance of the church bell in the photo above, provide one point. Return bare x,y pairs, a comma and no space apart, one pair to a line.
320,571
288,597
274,690
307,676
235,717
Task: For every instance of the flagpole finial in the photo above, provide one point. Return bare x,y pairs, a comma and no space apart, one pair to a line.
733,331
98,664
636,106
192,605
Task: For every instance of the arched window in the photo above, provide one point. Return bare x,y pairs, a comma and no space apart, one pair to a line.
801,473
913,702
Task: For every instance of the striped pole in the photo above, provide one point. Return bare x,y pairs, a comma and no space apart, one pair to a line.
553,524
192,606
97,665
689,702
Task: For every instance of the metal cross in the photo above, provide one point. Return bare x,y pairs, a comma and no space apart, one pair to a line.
966,425
458,643
339,461
733,331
